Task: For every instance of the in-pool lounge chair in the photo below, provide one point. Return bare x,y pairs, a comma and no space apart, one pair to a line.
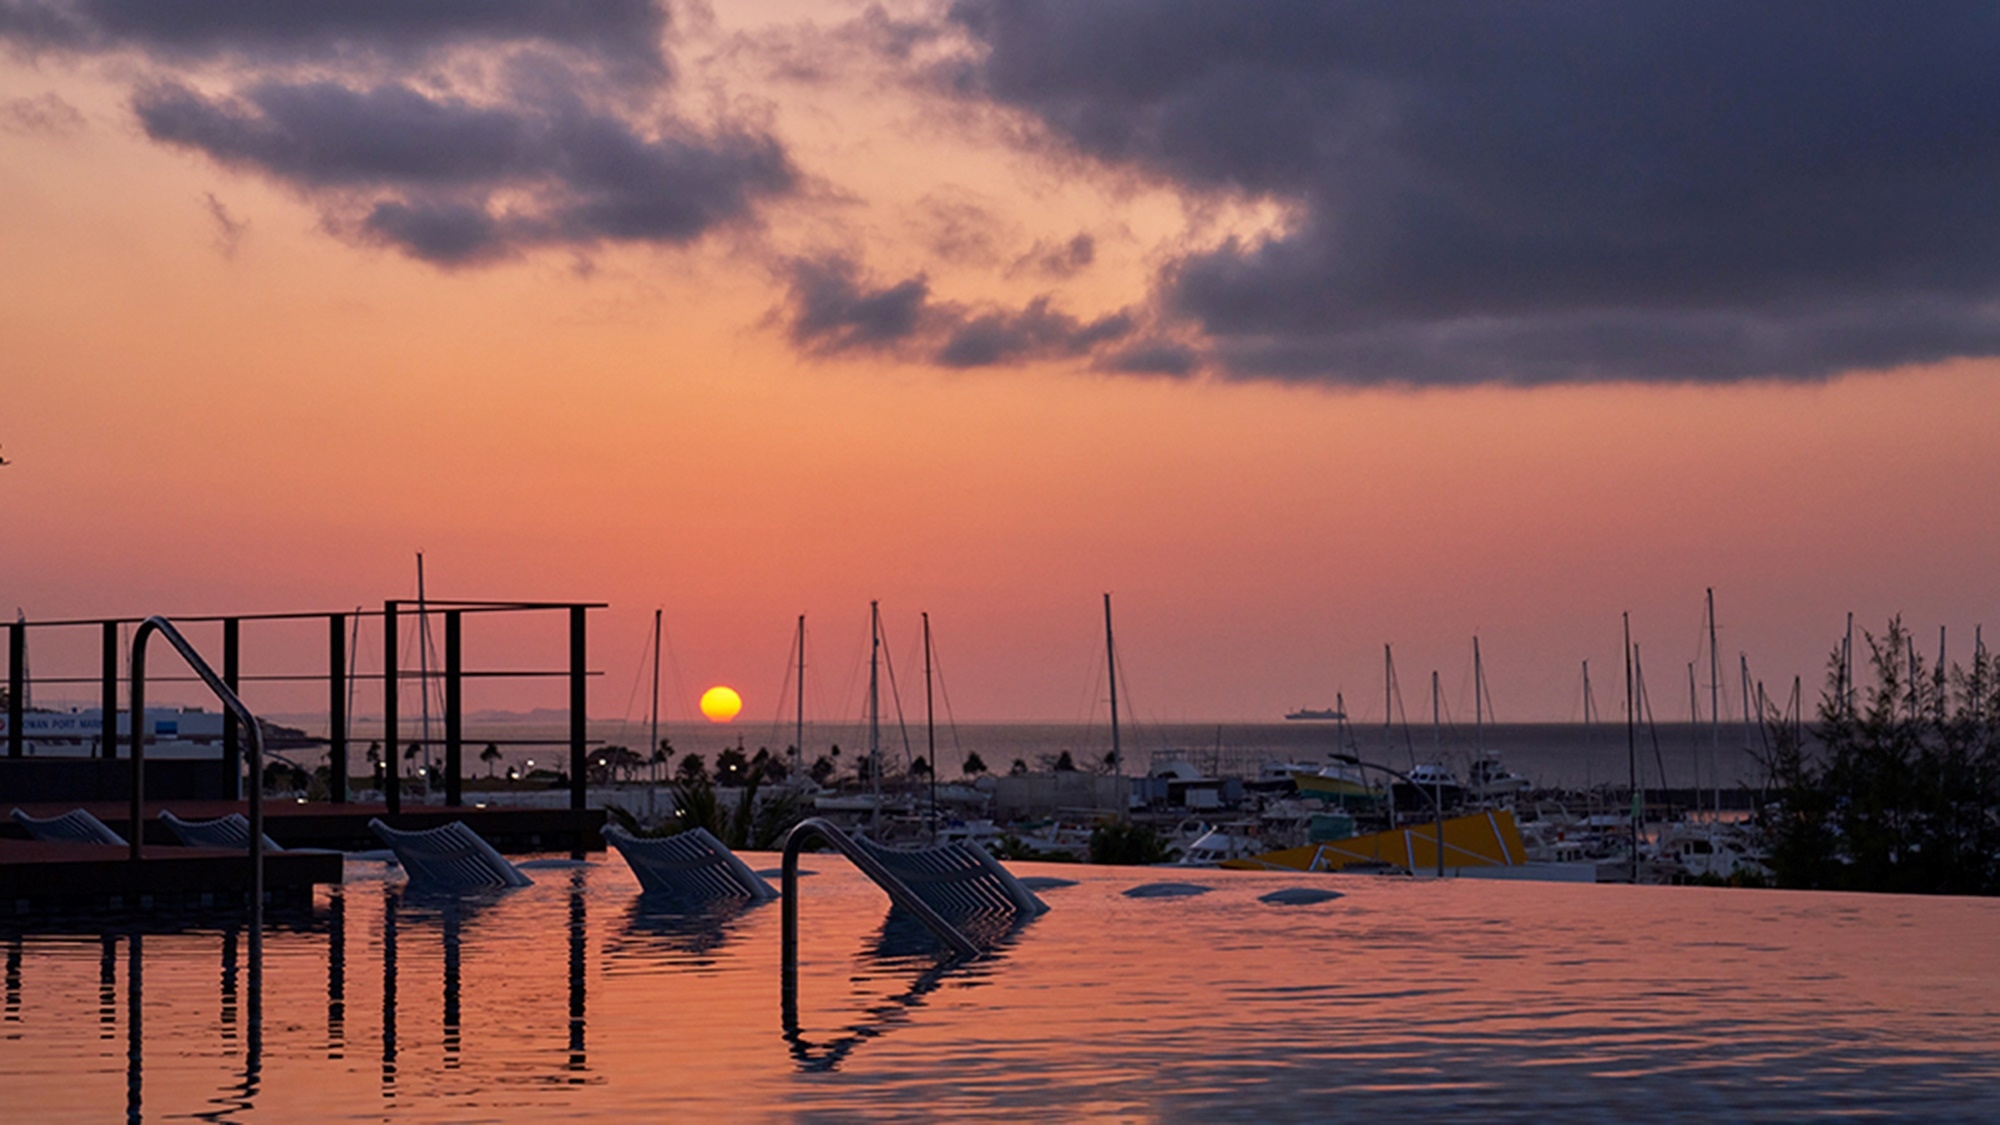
232,831
449,858
76,826
691,867
958,880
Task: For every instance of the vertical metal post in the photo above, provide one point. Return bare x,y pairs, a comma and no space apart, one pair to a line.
578,700
17,686
137,696
232,745
107,734
454,698
336,707
392,770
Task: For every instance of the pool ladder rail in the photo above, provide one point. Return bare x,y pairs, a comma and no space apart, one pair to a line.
254,737
819,828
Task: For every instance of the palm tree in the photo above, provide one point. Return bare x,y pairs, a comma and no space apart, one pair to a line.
661,757
490,755
974,765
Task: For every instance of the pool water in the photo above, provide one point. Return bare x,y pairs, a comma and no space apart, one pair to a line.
573,999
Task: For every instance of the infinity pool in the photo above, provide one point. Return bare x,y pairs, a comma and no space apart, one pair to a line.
572,999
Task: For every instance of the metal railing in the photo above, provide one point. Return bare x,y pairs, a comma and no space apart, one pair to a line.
254,734
900,893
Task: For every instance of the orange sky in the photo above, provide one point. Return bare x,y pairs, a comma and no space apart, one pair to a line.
281,424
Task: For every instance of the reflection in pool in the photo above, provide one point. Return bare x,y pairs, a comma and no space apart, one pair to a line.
577,998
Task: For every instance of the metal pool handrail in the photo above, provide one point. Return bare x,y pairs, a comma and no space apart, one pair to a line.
899,892
255,735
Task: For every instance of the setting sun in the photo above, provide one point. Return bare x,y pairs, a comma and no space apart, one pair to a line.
720,704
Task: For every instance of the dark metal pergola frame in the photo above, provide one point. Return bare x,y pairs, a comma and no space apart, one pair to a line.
454,674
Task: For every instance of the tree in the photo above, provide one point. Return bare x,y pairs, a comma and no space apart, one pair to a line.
973,766
821,769
692,768
731,767
1131,845
1018,769
661,756
1903,794
490,755
1065,763
920,768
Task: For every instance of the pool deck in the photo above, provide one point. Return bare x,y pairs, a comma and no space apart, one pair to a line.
43,875
345,827
38,876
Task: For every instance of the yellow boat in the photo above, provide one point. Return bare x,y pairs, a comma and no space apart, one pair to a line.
1485,839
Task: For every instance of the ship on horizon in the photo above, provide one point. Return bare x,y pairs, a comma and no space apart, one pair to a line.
1317,714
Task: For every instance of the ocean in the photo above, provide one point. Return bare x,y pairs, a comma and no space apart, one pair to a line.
1550,755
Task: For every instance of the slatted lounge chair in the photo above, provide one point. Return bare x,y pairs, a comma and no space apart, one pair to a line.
958,880
76,826
450,858
232,831
692,866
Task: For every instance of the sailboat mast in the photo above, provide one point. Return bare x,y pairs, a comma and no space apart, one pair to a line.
1714,713
1588,784
930,726
1694,742
653,747
799,715
875,708
1389,709
1437,726
1632,746
1111,670
1479,716
424,669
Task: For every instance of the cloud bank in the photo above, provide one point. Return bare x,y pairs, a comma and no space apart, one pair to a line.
831,308
1546,191
458,132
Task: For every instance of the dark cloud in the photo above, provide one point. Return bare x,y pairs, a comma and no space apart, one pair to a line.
628,31
1058,260
1545,191
831,309
1033,332
229,229
428,171
530,123
1153,357
47,116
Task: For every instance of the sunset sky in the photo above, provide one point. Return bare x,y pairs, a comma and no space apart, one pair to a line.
1297,328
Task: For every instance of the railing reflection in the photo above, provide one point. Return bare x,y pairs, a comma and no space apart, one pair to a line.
228,984
403,913
450,940
389,898
135,1031
336,976
15,948
578,932
902,941
107,987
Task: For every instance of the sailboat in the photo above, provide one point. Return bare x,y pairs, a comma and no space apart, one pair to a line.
1433,777
1487,777
869,802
